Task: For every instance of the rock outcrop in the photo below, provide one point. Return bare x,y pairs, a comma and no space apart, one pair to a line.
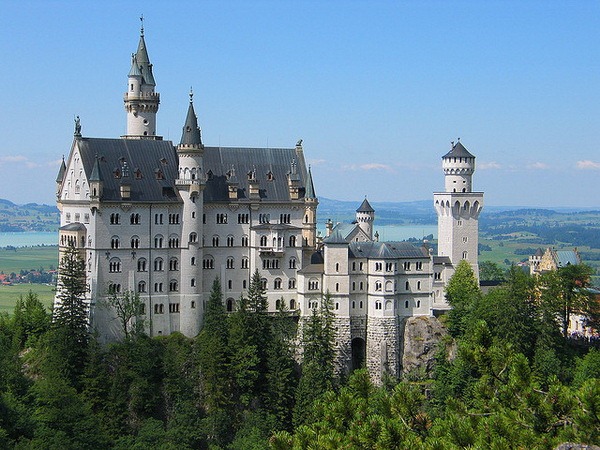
419,344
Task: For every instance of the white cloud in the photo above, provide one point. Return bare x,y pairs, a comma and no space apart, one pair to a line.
489,165
588,165
316,162
538,165
368,166
13,158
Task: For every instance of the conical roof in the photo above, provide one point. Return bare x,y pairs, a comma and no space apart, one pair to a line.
191,132
310,187
143,62
95,175
61,171
135,68
365,207
458,151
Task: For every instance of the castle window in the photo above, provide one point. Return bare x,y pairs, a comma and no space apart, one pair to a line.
406,304
465,239
313,284
292,264
221,218
134,219
77,217
114,242
459,223
418,303
209,175
360,305
193,282
229,304
229,284
337,305
437,276
337,267
173,308
158,265
389,267
173,219
378,285
193,237
230,241
193,261
377,304
173,264
158,241
263,284
230,262
292,283
193,305
114,265
353,304
86,218
292,241
264,218
292,304
419,265
263,241
204,218
193,214
406,265
277,284
418,285
354,285
407,286
337,287
173,242
378,266
270,176
244,284
215,241
285,218
173,286
159,308
135,242
389,286
114,288
142,286
244,263
115,219
465,255
138,174
141,265
244,241
244,218
208,263
361,286
360,266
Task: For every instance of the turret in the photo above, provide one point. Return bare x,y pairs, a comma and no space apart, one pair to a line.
365,215
141,102
60,176
309,233
458,165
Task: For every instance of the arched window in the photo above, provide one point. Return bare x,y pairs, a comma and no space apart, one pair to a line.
292,263
406,304
114,265
465,255
114,242
389,286
230,303
263,241
245,263
292,241
292,283
115,219
313,284
158,241
134,219
215,241
337,267
158,265
292,304
208,262
193,261
141,265
193,237
263,283
142,286
418,285
173,241
173,264
407,286
378,285
244,241
193,282
135,241
277,284
173,286
230,262
230,241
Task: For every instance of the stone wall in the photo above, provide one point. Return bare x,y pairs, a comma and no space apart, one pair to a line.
420,343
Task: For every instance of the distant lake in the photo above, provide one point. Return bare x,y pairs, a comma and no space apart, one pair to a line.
386,233
400,232
28,239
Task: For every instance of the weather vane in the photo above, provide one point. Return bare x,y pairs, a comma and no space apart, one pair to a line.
142,20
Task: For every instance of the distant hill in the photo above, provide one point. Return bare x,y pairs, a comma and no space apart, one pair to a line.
28,217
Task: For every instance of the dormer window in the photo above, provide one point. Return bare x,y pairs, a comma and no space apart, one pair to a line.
138,174
159,174
209,175
163,161
270,176
117,173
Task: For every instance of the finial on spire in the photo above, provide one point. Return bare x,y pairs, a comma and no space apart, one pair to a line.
191,95
142,27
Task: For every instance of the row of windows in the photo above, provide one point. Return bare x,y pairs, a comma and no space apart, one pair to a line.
86,217
173,241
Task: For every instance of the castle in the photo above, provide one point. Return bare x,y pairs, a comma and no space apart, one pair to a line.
164,220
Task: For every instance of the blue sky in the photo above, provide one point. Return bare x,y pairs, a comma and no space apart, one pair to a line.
377,90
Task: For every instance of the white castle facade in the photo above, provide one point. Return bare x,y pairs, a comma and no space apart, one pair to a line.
164,220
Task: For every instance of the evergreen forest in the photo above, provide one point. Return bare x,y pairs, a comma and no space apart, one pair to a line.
507,376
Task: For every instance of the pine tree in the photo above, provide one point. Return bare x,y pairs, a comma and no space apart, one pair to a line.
463,294
128,308
70,335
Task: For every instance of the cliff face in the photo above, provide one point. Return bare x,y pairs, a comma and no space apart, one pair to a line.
420,343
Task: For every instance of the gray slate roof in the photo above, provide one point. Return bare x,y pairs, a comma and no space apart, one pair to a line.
191,132
566,258
386,250
365,207
148,157
277,161
458,151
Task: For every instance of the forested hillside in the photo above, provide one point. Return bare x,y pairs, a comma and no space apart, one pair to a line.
508,376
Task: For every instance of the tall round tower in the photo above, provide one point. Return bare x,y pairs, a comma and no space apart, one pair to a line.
190,184
365,216
458,208
141,102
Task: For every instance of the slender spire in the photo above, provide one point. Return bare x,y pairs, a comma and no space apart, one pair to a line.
61,171
310,187
191,132
143,60
95,175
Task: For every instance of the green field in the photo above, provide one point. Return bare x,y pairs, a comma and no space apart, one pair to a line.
27,258
10,294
